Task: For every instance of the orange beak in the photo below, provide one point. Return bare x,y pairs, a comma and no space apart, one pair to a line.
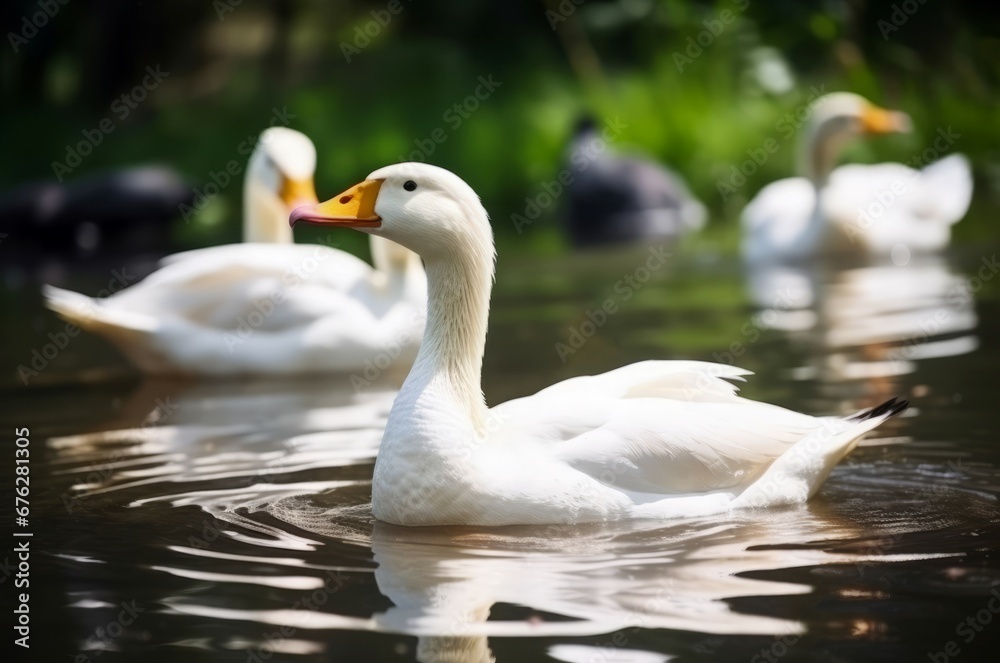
354,208
296,193
875,120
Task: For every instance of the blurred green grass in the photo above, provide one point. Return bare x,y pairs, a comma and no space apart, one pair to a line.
701,121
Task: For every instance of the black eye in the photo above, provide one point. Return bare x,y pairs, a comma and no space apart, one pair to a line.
409,185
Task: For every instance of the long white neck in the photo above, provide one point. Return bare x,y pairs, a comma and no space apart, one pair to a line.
819,151
451,355
817,159
265,217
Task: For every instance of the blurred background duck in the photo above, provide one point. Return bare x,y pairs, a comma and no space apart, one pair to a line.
267,306
109,214
856,208
617,199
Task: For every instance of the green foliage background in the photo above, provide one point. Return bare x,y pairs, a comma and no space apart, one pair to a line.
231,63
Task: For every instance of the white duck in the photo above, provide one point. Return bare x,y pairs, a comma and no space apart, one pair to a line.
856,208
267,306
654,439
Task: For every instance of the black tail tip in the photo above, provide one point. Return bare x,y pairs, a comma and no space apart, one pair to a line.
890,408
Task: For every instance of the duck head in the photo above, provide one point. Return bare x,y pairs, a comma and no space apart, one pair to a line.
424,208
837,118
279,178
436,215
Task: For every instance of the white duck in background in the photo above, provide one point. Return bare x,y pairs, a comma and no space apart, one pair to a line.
857,208
267,306
655,439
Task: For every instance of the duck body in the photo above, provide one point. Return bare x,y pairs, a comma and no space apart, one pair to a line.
257,309
126,210
855,209
866,209
614,199
655,439
266,306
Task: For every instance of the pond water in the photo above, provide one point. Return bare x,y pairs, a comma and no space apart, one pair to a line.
231,522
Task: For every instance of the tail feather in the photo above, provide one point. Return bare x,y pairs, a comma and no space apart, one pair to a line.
948,185
94,315
800,472
890,408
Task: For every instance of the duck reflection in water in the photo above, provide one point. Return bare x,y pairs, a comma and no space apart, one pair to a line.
867,323
279,474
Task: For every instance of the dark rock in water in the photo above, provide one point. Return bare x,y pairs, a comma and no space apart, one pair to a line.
121,211
615,199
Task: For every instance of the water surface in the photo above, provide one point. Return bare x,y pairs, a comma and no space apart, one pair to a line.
234,518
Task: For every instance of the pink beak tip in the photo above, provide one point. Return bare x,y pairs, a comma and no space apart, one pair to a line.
298,214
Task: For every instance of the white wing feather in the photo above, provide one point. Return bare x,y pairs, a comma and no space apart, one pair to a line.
660,428
869,207
249,308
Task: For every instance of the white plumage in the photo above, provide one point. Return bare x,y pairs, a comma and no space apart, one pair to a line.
856,208
655,439
269,306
